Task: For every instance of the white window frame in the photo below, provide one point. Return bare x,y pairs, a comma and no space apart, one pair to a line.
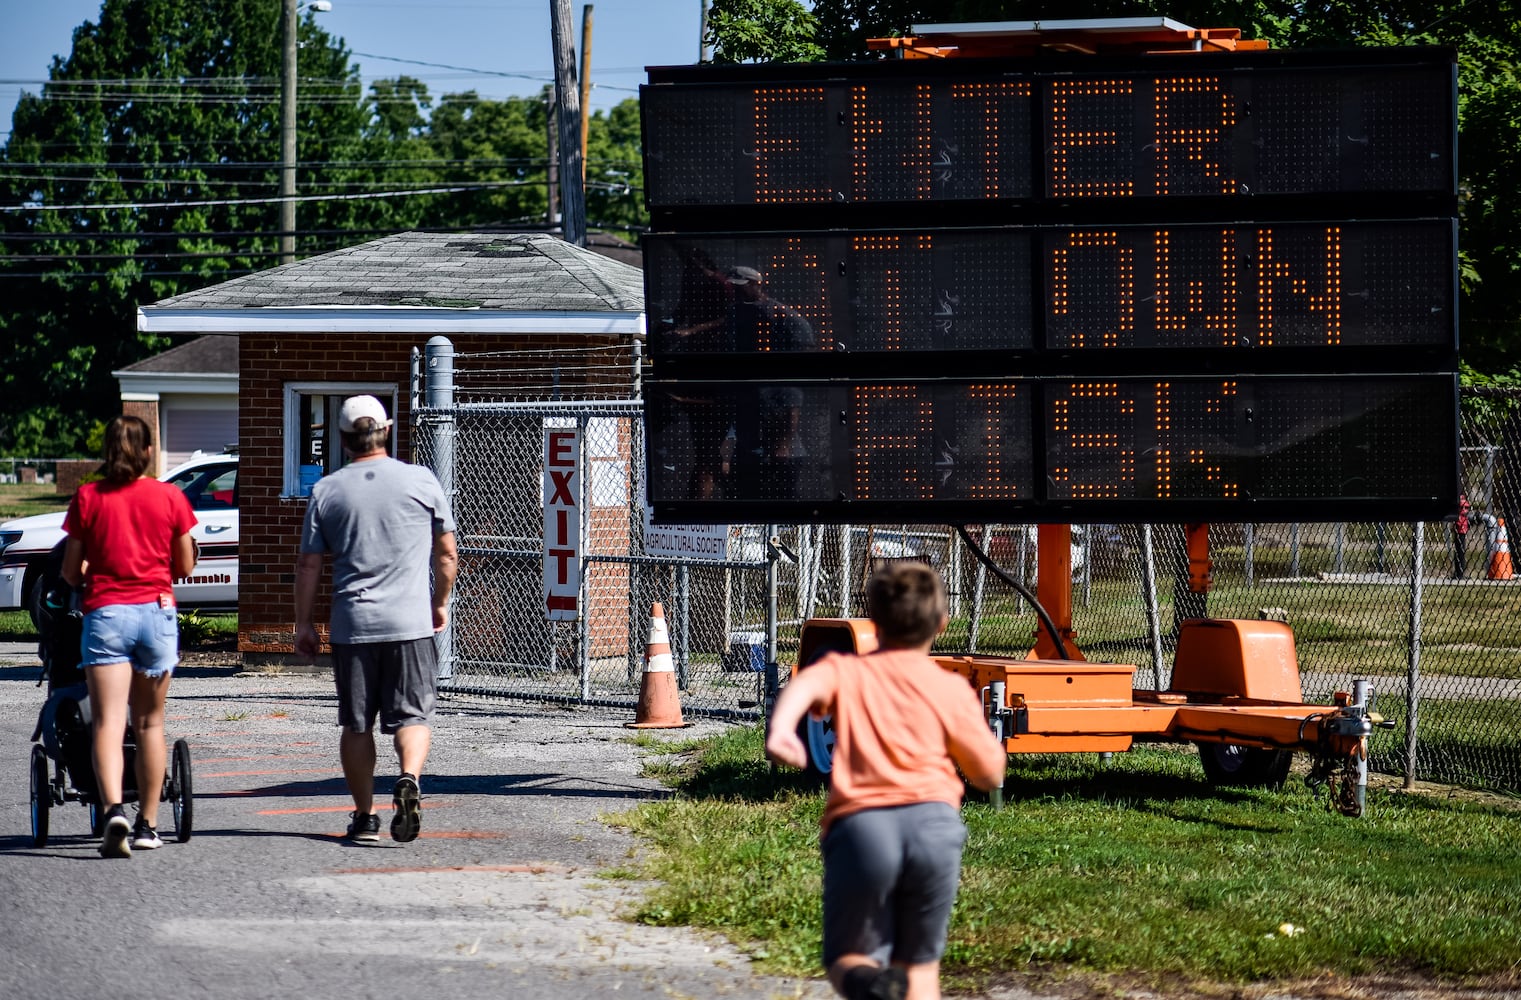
292,431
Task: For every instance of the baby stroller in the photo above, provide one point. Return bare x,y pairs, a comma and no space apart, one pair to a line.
62,767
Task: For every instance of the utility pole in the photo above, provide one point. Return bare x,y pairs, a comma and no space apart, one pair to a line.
288,137
702,31
568,99
291,18
586,28
552,164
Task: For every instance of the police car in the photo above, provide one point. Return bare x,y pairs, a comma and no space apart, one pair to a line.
211,484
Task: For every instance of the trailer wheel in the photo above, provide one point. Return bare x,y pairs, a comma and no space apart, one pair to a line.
818,740
1230,764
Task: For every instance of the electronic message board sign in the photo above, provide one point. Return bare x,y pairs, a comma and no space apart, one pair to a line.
1175,287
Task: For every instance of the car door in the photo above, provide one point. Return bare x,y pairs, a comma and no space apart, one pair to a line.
213,494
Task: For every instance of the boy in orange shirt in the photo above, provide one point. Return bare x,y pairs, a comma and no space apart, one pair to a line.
892,834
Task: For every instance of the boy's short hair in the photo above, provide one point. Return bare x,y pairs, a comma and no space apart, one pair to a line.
906,602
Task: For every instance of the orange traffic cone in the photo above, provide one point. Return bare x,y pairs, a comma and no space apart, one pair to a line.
1499,563
659,702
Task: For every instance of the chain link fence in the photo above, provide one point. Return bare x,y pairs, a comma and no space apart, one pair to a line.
487,447
1425,612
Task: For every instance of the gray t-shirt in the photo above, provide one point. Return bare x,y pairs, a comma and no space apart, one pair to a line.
378,518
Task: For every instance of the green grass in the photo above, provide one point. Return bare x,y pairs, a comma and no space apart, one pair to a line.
16,626
1132,870
195,630
26,499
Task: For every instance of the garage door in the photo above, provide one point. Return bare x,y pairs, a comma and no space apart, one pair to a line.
191,429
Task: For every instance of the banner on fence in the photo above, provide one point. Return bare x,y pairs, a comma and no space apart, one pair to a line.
562,523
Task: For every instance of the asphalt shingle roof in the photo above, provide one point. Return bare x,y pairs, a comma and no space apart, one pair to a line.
527,272
213,354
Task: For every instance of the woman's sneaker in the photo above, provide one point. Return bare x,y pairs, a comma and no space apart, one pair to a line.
407,801
117,832
363,827
144,837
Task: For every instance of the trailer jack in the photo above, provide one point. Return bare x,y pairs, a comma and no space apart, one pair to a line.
1345,774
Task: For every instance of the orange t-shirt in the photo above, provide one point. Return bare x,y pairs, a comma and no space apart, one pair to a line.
900,721
127,532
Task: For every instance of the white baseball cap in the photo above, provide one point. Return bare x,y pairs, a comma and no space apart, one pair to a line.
357,407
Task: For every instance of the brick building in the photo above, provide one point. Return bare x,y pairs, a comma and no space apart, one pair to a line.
312,333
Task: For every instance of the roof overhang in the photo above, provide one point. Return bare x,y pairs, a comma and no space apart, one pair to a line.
409,320
151,385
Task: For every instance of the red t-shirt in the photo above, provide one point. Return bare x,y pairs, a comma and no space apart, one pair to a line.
127,532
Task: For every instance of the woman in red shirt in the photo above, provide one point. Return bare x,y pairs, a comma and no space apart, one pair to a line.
129,539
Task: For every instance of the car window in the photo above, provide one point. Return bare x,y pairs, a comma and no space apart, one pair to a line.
209,487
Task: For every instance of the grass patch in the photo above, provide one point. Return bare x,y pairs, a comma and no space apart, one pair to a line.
26,499
195,629
1132,868
16,626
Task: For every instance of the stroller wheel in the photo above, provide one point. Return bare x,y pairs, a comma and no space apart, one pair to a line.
42,797
181,791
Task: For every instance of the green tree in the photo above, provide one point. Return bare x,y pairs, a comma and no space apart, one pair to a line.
615,171
147,164
762,30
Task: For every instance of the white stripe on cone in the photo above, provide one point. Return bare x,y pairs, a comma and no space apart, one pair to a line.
657,656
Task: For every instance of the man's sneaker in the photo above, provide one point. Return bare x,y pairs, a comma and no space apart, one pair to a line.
116,841
144,837
363,827
407,818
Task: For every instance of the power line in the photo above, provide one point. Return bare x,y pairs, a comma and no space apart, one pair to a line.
201,203
116,165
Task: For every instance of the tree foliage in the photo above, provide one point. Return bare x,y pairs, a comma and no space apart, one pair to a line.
149,166
762,31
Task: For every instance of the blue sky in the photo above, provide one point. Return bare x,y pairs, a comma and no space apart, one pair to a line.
494,36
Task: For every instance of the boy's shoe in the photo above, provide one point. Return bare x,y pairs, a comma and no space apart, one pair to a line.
407,818
866,982
363,827
144,837
117,832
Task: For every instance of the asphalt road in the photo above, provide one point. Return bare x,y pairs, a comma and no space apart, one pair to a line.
500,896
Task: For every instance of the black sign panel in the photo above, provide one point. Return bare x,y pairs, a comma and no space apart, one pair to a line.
1235,287
1377,121
1051,449
1185,287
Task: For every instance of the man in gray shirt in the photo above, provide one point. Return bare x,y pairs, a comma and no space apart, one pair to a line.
386,524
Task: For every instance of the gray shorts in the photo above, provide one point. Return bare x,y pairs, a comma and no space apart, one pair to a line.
397,680
890,878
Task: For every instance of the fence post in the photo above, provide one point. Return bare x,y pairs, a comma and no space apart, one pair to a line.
846,533
1248,538
1341,547
772,556
439,361
1413,677
1294,550
1153,610
979,584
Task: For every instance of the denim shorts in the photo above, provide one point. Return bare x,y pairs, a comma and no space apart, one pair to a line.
144,635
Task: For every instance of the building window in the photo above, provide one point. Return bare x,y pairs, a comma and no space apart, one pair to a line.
312,446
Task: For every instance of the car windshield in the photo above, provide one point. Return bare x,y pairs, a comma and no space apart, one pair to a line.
209,487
